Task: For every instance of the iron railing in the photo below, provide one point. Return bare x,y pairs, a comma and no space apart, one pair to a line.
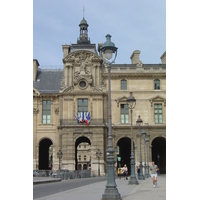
64,174
97,122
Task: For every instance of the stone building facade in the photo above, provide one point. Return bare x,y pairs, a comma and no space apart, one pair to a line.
81,88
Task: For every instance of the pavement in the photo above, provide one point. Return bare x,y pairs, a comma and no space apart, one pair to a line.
144,191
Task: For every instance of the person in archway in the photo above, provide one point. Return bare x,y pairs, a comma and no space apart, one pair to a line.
125,170
154,168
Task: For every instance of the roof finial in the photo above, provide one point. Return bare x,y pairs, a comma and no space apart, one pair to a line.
83,11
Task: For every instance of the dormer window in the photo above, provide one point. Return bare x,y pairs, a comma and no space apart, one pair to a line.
156,84
123,84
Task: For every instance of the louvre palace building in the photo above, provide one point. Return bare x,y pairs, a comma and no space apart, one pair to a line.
63,98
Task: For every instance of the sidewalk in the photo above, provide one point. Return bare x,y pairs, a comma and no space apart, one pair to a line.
144,191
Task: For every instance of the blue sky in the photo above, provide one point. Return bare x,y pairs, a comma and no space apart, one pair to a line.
133,25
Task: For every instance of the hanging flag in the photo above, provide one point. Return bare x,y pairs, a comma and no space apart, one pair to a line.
83,118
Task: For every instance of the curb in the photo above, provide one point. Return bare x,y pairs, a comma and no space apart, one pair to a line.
46,181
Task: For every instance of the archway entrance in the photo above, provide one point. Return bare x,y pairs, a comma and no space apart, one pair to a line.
45,159
124,145
159,153
82,153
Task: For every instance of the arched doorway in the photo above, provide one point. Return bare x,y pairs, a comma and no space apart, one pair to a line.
44,156
82,153
124,145
159,153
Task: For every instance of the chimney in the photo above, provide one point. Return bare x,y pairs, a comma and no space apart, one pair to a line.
135,57
66,49
35,68
163,58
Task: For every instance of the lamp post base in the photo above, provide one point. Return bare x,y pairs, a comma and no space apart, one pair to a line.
111,193
141,177
133,180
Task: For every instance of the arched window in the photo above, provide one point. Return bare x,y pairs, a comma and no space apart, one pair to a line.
123,84
156,84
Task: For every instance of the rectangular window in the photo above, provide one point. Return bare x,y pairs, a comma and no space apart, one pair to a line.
84,157
124,113
46,112
157,84
79,157
82,107
123,85
158,113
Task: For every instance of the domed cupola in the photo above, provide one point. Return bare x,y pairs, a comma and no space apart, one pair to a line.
83,38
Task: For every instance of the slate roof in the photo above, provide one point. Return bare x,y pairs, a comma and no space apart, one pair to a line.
48,81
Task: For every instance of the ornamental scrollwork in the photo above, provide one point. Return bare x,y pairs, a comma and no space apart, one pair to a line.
35,111
56,111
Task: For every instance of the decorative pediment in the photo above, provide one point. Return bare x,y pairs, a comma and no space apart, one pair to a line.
79,56
121,100
35,92
67,89
157,99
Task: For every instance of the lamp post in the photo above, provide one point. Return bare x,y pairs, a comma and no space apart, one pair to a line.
132,102
98,154
139,122
145,166
59,155
147,141
106,51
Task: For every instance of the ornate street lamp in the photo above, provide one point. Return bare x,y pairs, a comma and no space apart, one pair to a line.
132,102
139,122
106,51
145,166
59,155
147,141
98,154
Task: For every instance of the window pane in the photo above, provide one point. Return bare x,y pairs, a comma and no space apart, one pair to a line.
156,119
85,102
122,119
126,117
126,109
44,104
123,85
79,101
48,104
48,121
44,121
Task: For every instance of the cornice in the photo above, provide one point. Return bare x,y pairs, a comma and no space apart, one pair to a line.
146,127
135,75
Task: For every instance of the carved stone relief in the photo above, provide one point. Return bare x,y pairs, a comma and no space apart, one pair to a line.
56,110
35,111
